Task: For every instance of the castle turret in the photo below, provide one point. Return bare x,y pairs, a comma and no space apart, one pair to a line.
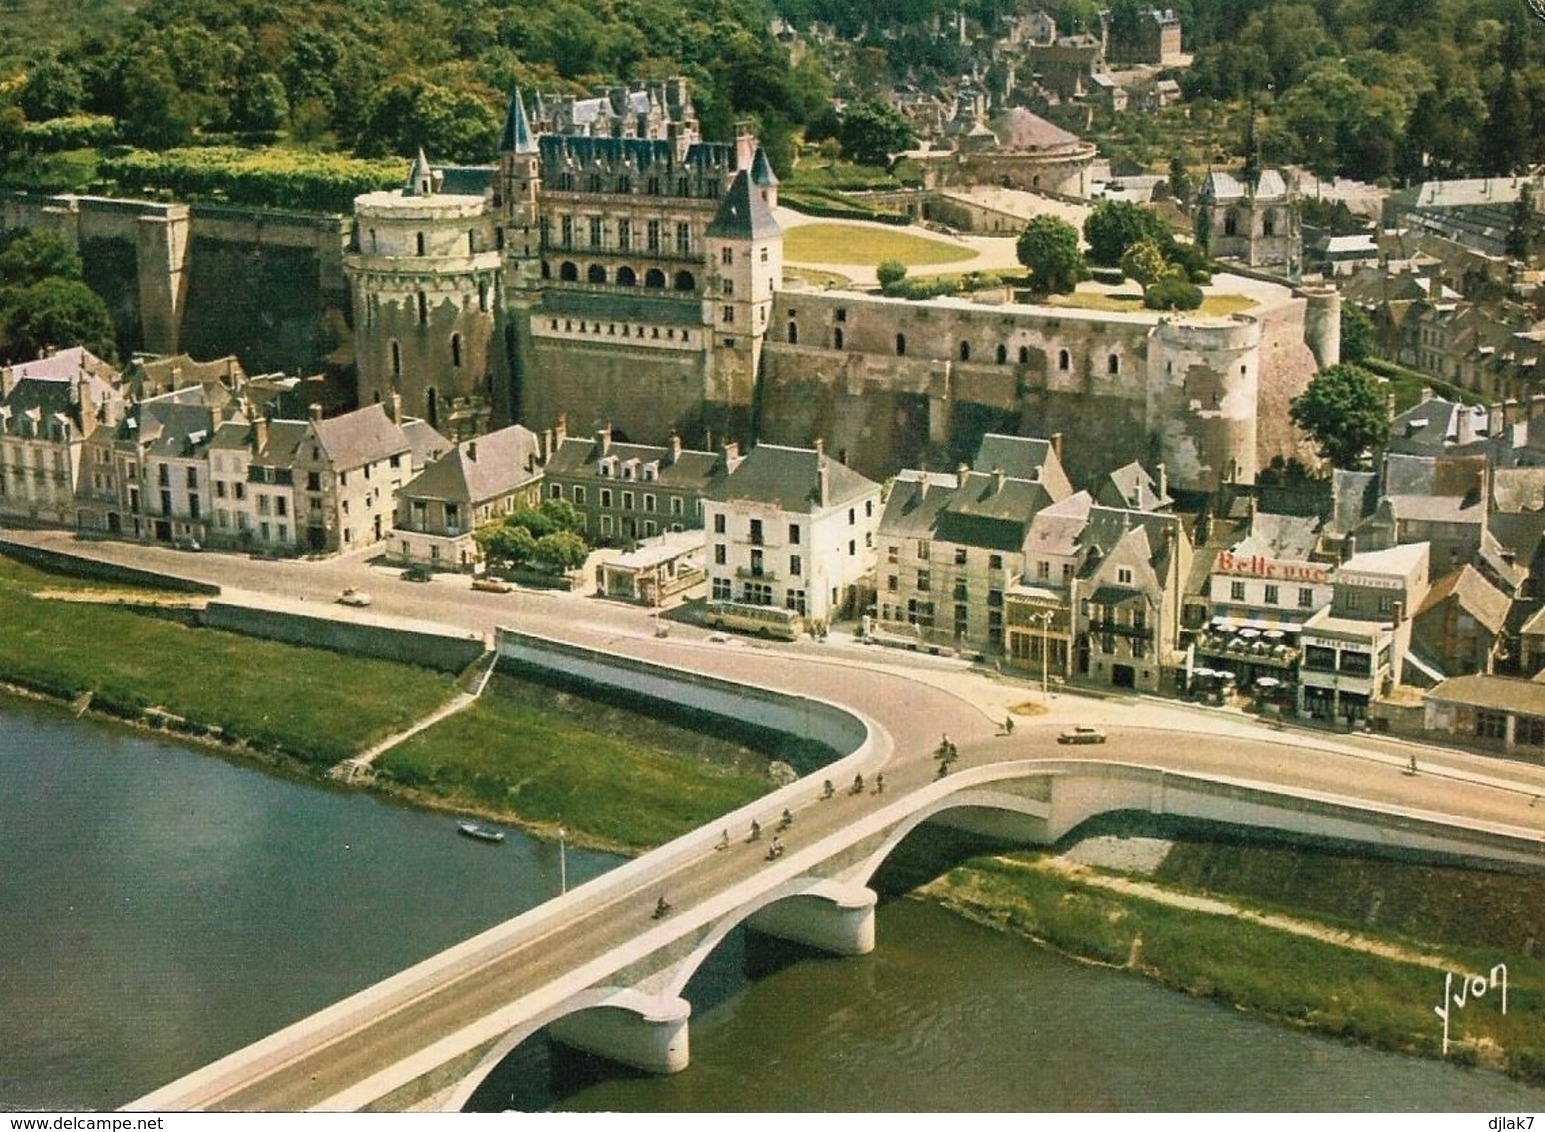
745,257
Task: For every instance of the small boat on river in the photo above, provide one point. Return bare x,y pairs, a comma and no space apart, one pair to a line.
479,832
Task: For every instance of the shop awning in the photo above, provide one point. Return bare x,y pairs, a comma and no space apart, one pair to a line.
1261,622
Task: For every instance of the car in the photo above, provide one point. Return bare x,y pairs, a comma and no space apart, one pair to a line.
491,585
417,574
352,596
1082,735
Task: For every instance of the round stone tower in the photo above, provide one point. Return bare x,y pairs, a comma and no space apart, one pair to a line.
1322,324
424,268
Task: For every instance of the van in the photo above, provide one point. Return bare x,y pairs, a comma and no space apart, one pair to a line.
760,620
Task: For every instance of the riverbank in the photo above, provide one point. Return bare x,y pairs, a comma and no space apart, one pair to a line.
1291,965
614,780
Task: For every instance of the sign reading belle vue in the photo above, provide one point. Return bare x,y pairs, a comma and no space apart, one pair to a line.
1272,569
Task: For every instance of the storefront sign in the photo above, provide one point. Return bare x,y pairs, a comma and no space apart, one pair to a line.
1272,569
1370,581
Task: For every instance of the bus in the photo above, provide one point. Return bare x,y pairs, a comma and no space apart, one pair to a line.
760,620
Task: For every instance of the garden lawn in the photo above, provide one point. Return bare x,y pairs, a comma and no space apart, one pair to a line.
866,246
311,704
512,759
1100,301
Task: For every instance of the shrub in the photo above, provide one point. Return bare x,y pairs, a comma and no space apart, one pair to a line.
1173,294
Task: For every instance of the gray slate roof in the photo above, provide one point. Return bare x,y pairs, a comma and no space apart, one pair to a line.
361,437
790,479
476,471
744,213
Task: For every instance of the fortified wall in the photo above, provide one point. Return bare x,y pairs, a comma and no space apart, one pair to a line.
208,280
891,383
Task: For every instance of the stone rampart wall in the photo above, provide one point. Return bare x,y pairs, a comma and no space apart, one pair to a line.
438,651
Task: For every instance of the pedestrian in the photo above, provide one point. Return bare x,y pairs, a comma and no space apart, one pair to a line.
1008,725
879,783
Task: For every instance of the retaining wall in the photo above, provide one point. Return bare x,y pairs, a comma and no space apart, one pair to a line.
438,651
63,562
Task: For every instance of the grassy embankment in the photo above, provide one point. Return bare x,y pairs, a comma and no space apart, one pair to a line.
613,778
1374,987
866,246
1214,304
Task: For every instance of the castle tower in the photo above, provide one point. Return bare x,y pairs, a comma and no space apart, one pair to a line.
745,262
424,272
517,196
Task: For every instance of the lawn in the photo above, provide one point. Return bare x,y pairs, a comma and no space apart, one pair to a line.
310,704
865,246
1224,304
610,777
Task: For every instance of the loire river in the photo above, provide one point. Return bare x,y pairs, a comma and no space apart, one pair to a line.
161,907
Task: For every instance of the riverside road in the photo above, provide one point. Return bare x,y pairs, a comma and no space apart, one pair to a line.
914,699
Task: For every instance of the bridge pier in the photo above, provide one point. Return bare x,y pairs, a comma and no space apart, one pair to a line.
642,1031
832,917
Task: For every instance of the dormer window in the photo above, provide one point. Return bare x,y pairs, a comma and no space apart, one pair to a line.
609,467
651,472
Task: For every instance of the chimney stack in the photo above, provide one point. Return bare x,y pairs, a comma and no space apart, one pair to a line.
472,451
962,473
819,446
824,475
316,412
396,409
1056,445
547,444
1163,471
1400,613
561,433
999,477
605,437
1511,412
1536,406
1348,548
260,432
675,447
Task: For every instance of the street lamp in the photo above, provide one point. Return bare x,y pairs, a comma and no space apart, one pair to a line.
1043,619
563,862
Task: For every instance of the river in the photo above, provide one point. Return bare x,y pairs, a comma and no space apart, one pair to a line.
161,907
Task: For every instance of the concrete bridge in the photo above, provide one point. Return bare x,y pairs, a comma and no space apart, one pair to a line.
600,974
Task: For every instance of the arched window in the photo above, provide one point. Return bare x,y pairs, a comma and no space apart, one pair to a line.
1024,355
793,334
547,270
1064,361
421,245
396,358
432,408
1113,365
456,350
1269,224
1003,353
1231,223
654,277
965,351
838,339
626,277
685,282
568,272
901,345
596,274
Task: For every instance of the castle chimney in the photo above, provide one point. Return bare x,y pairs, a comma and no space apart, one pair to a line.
998,479
1348,547
1400,613
1056,445
547,444
962,473
819,446
604,435
260,432
472,451
675,447
316,412
396,409
824,475
561,433
731,454
1163,471
1536,406
1511,412
745,145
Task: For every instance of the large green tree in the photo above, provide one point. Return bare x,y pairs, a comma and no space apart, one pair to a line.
1115,225
871,132
53,314
1048,247
1346,413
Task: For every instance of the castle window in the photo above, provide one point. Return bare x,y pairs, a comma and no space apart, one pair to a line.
729,314
482,295
547,270
901,345
1113,365
1064,361
727,256
652,235
396,358
597,273
597,232
685,281
567,225
471,242
432,408
684,187
456,350
764,255
1231,224
624,184
838,338
595,182
423,308
626,277
793,334
1024,355
1269,224
375,244
842,314
653,186
624,235
965,351
683,238
568,271
420,242
1003,353
654,277
727,286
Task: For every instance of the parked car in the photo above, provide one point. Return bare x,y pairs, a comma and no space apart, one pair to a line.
352,596
491,585
417,574
1082,735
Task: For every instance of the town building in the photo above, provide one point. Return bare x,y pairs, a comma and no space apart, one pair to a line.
477,481
1127,597
1459,630
1255,224
625,493
1494,712
792,528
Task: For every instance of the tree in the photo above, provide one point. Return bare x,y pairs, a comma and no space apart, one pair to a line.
562,515
31,257
1173,293
562,550
890,273
54,90
260,105
1181,186
505,544
1345,412
1145,262
55,313
872,131
1115,225
1357,334
1048,247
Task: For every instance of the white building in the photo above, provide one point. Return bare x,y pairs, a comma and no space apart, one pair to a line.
791,527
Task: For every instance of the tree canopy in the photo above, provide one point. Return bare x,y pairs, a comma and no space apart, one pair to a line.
1048,247
872,131
1344,410
43,301
1115,225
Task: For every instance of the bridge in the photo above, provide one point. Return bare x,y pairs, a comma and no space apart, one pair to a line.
601,974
